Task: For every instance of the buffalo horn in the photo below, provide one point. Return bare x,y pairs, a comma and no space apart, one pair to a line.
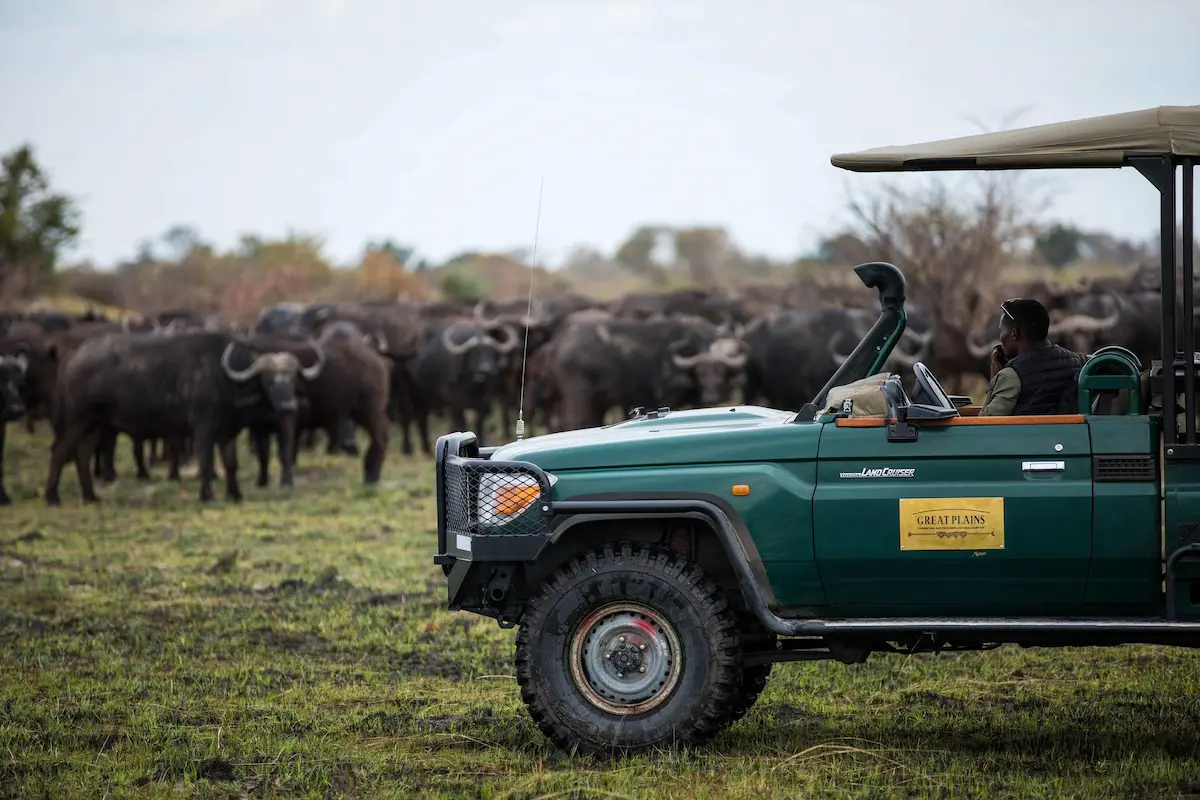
311,373
458,349
511,339
685,362
239,376
1082,323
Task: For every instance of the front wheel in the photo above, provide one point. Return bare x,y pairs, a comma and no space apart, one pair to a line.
627,648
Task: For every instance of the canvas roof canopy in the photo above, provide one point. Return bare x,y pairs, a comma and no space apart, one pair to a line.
1094,142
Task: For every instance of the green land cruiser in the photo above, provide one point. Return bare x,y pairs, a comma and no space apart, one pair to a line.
658,567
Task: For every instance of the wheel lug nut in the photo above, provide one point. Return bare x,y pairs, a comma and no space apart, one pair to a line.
643,647
641,669
621,639
608,656
620,674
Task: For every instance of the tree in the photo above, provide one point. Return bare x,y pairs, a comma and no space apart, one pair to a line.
36,224
953,247
1058,245
400,252
637,254
183,240
458,286
842,248
705,251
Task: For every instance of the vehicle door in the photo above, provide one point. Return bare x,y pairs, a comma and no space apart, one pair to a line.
977,516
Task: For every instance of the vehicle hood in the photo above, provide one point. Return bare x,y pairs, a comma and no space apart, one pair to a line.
707,435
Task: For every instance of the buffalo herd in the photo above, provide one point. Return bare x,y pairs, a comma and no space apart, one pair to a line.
185,385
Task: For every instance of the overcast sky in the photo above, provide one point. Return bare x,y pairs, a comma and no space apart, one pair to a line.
433,122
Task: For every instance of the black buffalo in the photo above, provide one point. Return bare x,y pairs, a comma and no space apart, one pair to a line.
352,386
794,352
460,369
14,361
204,386
599,362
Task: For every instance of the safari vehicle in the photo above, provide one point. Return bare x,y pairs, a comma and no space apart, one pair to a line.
658,567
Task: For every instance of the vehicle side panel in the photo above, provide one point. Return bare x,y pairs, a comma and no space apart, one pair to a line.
1042,567
1126,574
1182,480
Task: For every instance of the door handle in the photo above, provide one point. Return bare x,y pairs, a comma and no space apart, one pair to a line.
1042,466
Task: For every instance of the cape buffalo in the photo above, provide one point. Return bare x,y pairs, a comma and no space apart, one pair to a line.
597,363
794,351
207,386
14,361
460,368
352,386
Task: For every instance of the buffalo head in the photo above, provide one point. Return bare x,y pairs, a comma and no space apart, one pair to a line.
277,373
483,353
717,369
914,345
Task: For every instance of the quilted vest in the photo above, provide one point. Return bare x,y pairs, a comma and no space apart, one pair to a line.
1047,374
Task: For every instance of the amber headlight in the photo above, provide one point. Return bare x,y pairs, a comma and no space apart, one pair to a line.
504,495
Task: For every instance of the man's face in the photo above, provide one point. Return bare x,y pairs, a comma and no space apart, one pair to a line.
1008,336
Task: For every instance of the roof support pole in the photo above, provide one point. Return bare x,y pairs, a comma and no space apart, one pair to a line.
1189,309
1160,171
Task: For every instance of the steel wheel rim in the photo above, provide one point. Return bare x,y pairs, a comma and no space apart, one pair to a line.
625,658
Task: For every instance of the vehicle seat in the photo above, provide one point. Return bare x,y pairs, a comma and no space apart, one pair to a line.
1112,400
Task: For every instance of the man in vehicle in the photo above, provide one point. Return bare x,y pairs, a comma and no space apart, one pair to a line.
1030,375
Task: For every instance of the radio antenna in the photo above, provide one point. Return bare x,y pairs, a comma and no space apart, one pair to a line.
529,313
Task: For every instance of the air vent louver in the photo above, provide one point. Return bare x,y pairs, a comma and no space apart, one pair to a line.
1123,468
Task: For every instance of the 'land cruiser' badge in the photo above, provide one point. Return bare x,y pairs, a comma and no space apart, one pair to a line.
880,472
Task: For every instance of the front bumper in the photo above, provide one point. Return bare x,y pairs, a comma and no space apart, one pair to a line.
487,510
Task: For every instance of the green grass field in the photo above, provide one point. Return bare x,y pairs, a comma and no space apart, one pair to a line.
298,646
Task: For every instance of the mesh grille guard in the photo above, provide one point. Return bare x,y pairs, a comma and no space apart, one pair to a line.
477,496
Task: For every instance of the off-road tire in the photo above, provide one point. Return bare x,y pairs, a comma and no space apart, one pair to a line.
572,607
755,638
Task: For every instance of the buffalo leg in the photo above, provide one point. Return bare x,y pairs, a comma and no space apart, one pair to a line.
346,430
458,418
287,449
172,452
423,434
261,439
229,463
64,447
406,437
480,427
204,452
105,456
139,457
98,468
506,417
4,499
85,450
376,423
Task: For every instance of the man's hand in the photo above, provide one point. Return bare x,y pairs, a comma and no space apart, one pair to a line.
998,360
